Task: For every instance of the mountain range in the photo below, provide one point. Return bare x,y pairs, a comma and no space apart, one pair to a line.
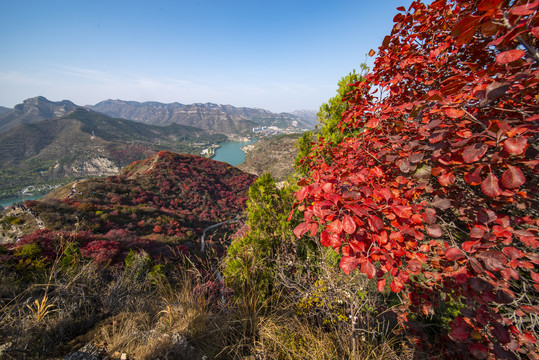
224,119
84,143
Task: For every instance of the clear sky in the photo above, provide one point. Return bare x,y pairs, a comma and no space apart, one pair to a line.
280,55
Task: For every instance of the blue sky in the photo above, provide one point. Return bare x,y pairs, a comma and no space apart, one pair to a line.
277,55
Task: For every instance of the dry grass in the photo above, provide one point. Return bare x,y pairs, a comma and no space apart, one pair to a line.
166,317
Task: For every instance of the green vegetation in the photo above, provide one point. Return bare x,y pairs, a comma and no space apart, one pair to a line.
327,133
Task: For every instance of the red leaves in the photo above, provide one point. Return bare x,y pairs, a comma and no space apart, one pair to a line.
501,333
459,329
454,133
330,240
526,9
513,177
507,57
381,285
515,146
396,285
446,179
486,5
454,254
474,152
349,225
465,29
479,351
375,223
368,269
493,260
335,226
404,212
301,229
348,264
454,113
414,267
474,177
300,195
434,231
490,186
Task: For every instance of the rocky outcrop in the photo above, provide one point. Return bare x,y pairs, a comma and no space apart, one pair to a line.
274,155
34,110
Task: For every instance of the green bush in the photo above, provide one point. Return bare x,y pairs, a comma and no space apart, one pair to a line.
28,251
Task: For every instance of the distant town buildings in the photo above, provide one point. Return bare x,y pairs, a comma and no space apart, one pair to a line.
274,130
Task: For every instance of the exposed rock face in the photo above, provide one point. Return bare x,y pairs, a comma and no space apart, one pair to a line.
224,119
34,110
95,167
274,155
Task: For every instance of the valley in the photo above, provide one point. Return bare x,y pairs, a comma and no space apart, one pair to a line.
45,144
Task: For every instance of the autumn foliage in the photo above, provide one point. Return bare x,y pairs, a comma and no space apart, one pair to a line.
436,198
160,205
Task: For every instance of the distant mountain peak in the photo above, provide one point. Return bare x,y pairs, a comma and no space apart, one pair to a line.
34,110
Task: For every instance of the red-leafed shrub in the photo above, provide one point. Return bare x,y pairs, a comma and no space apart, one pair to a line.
436,196
101,251
120,235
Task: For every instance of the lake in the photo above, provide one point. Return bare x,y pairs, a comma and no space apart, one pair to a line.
231,152
8,201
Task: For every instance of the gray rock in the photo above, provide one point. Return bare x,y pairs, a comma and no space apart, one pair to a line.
88,352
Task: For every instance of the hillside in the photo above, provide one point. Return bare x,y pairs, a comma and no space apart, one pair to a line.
168,197
128,247
275,155
84,143
308,116
34,110
224,119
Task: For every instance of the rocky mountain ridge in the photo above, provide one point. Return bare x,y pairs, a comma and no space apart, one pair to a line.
226,119
168,197
4,110
216,118
34,110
